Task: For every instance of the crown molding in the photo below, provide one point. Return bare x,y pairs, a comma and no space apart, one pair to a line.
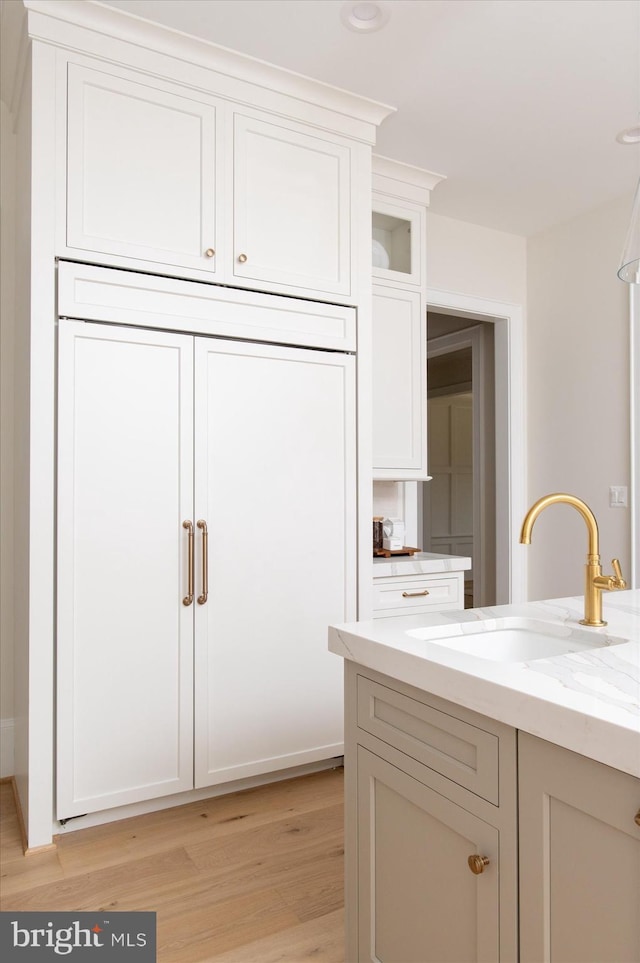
47,19
403,180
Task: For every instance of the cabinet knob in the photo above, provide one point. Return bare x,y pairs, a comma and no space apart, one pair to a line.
210,252
242,258
477,863
636,818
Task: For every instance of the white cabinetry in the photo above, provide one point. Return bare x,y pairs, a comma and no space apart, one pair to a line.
141,170
185,181
271,447
144,149
400,200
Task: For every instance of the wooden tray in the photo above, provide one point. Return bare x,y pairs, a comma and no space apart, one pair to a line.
387,553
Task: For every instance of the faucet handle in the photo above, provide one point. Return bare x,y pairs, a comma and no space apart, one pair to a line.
621,584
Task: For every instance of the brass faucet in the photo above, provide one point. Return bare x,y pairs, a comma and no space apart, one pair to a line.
595,582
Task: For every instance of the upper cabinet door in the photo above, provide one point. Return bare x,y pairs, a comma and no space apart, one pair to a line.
292,201
141,171
399,385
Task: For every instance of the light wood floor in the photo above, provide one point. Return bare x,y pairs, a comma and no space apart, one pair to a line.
254,877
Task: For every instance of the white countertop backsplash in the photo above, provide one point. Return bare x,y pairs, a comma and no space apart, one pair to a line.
422,563
587,701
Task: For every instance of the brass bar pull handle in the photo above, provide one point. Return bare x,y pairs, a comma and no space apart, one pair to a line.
414,595
188,599
477,863
205,562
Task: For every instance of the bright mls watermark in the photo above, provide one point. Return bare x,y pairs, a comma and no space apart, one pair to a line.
78,936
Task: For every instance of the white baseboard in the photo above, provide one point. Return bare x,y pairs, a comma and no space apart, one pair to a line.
7,728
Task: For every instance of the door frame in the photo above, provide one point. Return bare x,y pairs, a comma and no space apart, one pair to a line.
634,396
471,337
510,455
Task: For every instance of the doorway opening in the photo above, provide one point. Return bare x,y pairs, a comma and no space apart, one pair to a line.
459,503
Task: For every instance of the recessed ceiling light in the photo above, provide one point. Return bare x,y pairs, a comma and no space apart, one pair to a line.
630,135
365,15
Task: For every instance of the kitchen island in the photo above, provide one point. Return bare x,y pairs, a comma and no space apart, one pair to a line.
493,805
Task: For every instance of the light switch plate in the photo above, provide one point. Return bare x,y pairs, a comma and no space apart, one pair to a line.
618,496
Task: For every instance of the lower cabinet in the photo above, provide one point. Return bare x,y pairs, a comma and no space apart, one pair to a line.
430,828
418,901
460,849
206,537
579,858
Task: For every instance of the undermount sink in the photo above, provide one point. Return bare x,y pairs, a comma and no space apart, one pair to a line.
513,639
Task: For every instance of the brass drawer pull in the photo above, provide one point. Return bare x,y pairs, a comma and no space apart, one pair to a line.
636,818
242,258
210,252
205,562
477,863
188,599
414,595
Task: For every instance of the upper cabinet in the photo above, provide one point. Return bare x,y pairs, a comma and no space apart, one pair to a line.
169,174
398,237
291,204
141,171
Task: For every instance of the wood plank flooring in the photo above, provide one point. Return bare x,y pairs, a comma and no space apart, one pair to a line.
253,877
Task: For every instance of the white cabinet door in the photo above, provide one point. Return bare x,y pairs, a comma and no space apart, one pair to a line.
418,901
141,171
125,485
275,482
399,385
292,205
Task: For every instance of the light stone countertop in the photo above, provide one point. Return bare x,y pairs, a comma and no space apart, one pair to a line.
587,701
422,563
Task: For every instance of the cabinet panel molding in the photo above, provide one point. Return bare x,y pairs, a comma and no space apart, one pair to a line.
579,858
465,754
126,297
418,900
141,170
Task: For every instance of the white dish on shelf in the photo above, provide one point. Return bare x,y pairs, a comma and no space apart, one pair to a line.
379,255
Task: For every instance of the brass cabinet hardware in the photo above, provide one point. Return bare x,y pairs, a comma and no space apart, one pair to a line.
477,863
205,561
242,258
210,252
414,595
188,599
636,818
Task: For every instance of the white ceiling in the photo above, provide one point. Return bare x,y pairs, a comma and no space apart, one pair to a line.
517,101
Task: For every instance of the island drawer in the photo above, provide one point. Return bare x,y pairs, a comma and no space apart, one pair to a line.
458,750
395,595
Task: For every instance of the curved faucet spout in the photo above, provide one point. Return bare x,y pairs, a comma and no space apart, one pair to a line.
561,497
595,582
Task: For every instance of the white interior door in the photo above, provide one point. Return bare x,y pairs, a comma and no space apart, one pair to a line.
125,640
275,482
449,508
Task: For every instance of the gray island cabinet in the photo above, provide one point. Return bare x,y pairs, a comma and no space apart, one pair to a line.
428,785
469,840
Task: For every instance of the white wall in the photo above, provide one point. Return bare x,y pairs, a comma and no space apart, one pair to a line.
474,260
7,315
578,393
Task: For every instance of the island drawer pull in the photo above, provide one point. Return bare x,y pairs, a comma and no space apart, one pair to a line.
414,595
